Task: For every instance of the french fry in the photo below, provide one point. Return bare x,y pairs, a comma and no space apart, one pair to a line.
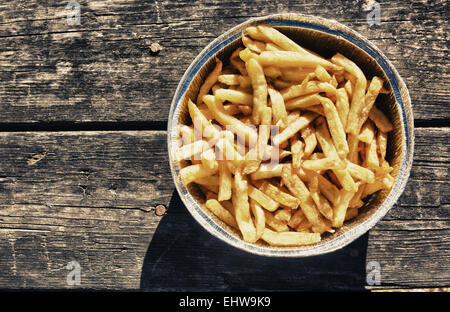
234,80
329,190
367,133
225,182
360,173
186,151
212,180
283,215
334,179
278,107
222,213
303,101
388,181
264,133
190,173
265,201
255,33
309,137
267,171
287,44
363,153
251,165
228,205
272,47
229,79
382,140
351,213
321,202
254,45
372,155
234,96
297,218
187,134
201,123
335,127
373,187
273,35
247,54
342,105
293,128
245,110
272,72
245,82
299,190
349,87
259,84
324,139
324,164
229,153
369,100
294,74
316,156
236,61
293,116
356,201
380,120
304,227
281,84
341,208
353,142
208,158
305,174
334,81
282,153
242,209
277,194
209,81
297,150
216,87
230,109
307,88
222,117
355,204
291,59
322,74
358,92
259,217
289,238
275,224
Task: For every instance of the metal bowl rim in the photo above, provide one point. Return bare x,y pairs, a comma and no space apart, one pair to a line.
320,24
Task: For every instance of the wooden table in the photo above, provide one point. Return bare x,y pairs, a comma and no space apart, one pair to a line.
83,158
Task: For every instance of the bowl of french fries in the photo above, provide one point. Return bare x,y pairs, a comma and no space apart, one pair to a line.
290,135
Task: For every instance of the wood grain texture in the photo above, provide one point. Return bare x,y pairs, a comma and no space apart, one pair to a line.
103,70
89,197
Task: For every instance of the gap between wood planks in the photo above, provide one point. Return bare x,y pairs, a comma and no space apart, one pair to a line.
141,125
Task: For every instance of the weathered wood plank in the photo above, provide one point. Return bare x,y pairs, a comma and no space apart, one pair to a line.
90,196
102,70
89,199
86,169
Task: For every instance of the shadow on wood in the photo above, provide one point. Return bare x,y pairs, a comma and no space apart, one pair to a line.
182,256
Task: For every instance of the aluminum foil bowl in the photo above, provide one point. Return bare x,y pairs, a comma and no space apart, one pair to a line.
325,37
